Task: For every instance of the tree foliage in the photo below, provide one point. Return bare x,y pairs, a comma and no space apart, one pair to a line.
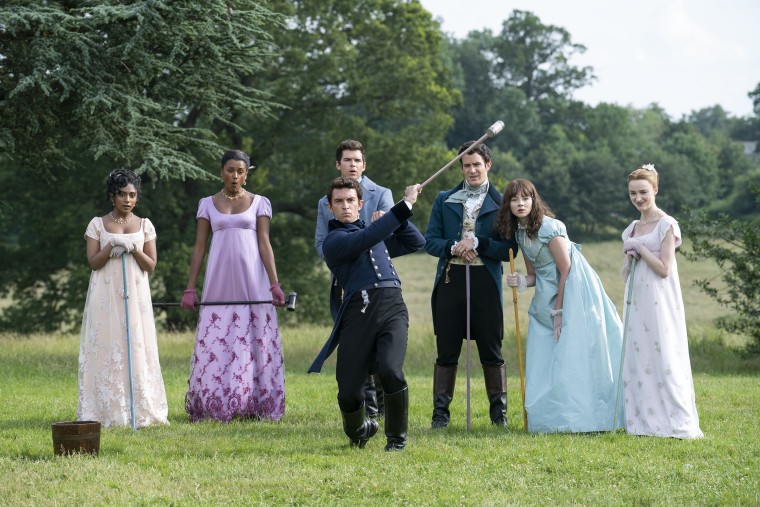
735,246
164,87
86,87
140,84
373,73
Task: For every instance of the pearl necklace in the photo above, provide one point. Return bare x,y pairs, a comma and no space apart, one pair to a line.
121,220
240,194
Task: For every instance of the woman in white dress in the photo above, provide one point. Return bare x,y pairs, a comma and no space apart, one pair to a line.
104,393
659,390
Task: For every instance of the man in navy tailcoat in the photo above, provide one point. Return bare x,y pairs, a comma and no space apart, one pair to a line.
372,321
461,234
351,162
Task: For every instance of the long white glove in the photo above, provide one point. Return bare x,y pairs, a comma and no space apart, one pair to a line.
517,280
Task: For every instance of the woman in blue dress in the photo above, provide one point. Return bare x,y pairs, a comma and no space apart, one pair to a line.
574,331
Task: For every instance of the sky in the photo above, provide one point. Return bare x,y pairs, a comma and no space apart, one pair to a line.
683,55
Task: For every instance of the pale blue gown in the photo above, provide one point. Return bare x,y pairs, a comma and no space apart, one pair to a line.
570,384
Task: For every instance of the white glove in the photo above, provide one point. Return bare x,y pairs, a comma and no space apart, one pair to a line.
117,251
632,246
557,315
517,280
121,245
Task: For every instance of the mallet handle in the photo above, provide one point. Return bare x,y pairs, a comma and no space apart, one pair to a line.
492,131
290,303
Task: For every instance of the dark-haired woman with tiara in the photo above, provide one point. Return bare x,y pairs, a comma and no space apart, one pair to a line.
574,333
104,384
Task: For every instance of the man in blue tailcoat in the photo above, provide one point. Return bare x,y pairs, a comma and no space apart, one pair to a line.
351,162
372,321
461,234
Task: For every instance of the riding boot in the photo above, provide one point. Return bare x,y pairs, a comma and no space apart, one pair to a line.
496,389
444,378
396,419
358,427
370,399
380,395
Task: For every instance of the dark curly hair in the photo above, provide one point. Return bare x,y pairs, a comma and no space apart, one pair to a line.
506,221
119,179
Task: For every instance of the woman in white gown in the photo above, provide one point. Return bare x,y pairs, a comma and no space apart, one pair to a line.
104,393
659,390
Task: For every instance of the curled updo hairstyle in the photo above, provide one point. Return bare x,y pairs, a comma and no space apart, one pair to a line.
506,221
237,155
119,179
646,172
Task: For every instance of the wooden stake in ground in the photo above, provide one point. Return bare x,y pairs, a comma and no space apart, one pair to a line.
519,341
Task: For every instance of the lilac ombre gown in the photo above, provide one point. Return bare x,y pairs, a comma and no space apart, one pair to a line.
237,365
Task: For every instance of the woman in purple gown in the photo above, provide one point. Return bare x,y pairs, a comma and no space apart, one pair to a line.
237,364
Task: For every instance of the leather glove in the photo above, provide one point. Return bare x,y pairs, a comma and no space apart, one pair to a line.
189,299
278,297
517,280
557,315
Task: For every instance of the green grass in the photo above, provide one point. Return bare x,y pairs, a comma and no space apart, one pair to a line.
305,460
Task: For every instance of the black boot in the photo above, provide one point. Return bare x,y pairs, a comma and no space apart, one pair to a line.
370,398
380,395
496,389
396,419
444,378
358,427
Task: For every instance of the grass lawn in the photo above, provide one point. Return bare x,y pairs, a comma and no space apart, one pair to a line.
305,460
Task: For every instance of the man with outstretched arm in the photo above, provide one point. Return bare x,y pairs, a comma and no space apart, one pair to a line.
351,162
372,322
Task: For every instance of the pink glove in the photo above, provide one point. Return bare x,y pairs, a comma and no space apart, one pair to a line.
189,299
278,297
557,315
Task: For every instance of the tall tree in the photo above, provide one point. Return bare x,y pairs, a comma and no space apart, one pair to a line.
89,86
523,75
371,71
132,83
536,58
